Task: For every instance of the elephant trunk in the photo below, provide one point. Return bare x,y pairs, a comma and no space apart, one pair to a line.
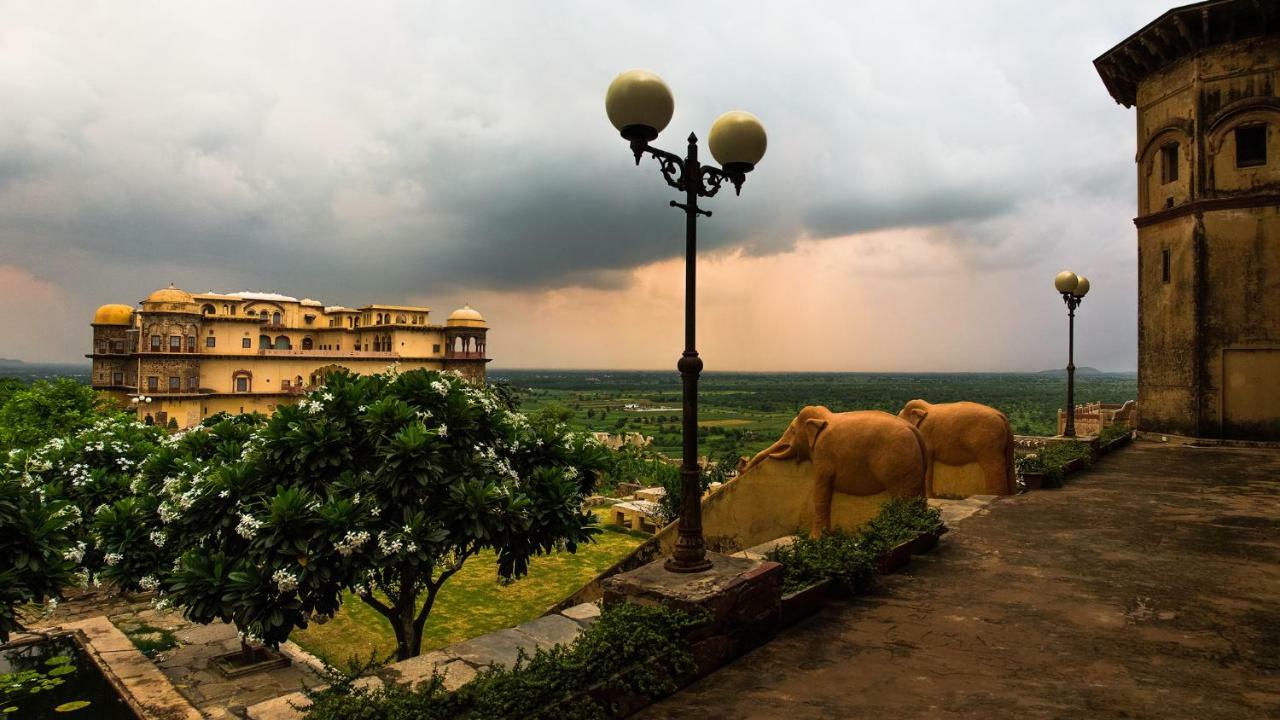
783,449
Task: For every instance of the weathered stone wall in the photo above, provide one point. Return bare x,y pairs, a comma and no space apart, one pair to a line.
1209,247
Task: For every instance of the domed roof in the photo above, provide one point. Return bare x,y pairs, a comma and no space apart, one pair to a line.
113,315
465,316
170,294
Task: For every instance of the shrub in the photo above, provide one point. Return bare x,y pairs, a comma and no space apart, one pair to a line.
1113,432
1051,461
631,649
47,409
849,559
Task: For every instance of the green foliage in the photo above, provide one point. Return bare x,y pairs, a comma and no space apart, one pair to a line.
36,549
149,639
1051,461
631,649
848,559
1111,433
34,414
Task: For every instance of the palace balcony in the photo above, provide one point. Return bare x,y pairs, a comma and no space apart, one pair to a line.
460,355
375,354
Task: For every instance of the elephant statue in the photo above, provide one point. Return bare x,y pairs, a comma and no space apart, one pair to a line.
857,453
964,432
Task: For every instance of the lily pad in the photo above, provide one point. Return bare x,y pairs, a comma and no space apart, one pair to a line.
61,670
72,706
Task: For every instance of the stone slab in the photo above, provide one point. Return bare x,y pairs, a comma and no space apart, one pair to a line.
144,686
585,614
551,630
497,648
765,548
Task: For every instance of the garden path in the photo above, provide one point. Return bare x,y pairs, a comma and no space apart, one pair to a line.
1148,587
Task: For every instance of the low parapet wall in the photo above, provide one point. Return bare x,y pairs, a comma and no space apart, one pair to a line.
769,501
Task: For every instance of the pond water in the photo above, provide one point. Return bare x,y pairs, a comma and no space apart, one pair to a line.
82,692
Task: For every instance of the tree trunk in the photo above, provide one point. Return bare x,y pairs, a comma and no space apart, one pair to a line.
246,653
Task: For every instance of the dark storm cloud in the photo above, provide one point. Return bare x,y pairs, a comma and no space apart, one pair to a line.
403,148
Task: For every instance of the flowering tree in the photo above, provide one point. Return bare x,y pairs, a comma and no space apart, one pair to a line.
378,487
50,493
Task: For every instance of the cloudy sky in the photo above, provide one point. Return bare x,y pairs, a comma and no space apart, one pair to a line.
931,165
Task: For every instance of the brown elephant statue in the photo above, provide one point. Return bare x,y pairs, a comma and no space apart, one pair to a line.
857,453
960,433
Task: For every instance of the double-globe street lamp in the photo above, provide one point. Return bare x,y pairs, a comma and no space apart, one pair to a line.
1073,288
639,105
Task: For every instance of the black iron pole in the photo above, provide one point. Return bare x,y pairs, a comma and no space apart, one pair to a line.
690,553
1069,429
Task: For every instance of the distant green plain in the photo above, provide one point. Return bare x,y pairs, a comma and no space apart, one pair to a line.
750,410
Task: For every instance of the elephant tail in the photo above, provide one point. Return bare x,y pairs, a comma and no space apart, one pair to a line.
1011,474
924,457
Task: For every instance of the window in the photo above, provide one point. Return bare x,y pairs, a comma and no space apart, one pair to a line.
1169,163
117,379
102,347
155,343
242,383
193,382
307,343
1166,273
275,318
1251,146
153,383
246,343
191,343
211,341
175,384
175,343
435,349
117,346
208,310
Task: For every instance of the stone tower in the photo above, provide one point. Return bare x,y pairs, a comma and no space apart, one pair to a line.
1204,80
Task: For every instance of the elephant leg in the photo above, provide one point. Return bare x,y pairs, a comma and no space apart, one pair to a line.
823,488
995,473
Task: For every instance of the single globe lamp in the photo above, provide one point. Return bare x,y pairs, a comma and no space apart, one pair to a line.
1082,287
737,141
1066,281
639,105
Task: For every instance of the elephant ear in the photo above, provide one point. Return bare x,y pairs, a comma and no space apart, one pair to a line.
916,416
812,428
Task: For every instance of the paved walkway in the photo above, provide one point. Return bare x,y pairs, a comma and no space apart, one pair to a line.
1149,587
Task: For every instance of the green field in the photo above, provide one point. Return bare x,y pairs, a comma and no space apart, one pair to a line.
750,410
471,603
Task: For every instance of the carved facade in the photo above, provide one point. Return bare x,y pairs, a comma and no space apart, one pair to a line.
1204,79
179,357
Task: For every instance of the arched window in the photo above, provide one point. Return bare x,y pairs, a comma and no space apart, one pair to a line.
264,342
282,343
307,343
275,318
208,310
242,381
400,318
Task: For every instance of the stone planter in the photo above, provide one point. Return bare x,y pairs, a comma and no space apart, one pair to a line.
893,559
804,602
926,541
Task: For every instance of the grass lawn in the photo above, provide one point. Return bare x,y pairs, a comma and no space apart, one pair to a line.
472,602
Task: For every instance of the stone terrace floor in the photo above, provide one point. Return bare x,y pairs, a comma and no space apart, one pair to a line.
1149,587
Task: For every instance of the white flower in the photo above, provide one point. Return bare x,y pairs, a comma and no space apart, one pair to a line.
112,558
440,387
158,538
149,583
351,542
285,581
248,527
75,554
361,408
443,430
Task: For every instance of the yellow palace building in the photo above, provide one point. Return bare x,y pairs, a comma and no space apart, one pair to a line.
179,357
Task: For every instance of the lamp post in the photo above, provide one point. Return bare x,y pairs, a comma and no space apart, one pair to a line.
640,105
1073,288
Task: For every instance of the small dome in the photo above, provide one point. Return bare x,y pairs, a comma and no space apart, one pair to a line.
465,317
113,315
170,294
